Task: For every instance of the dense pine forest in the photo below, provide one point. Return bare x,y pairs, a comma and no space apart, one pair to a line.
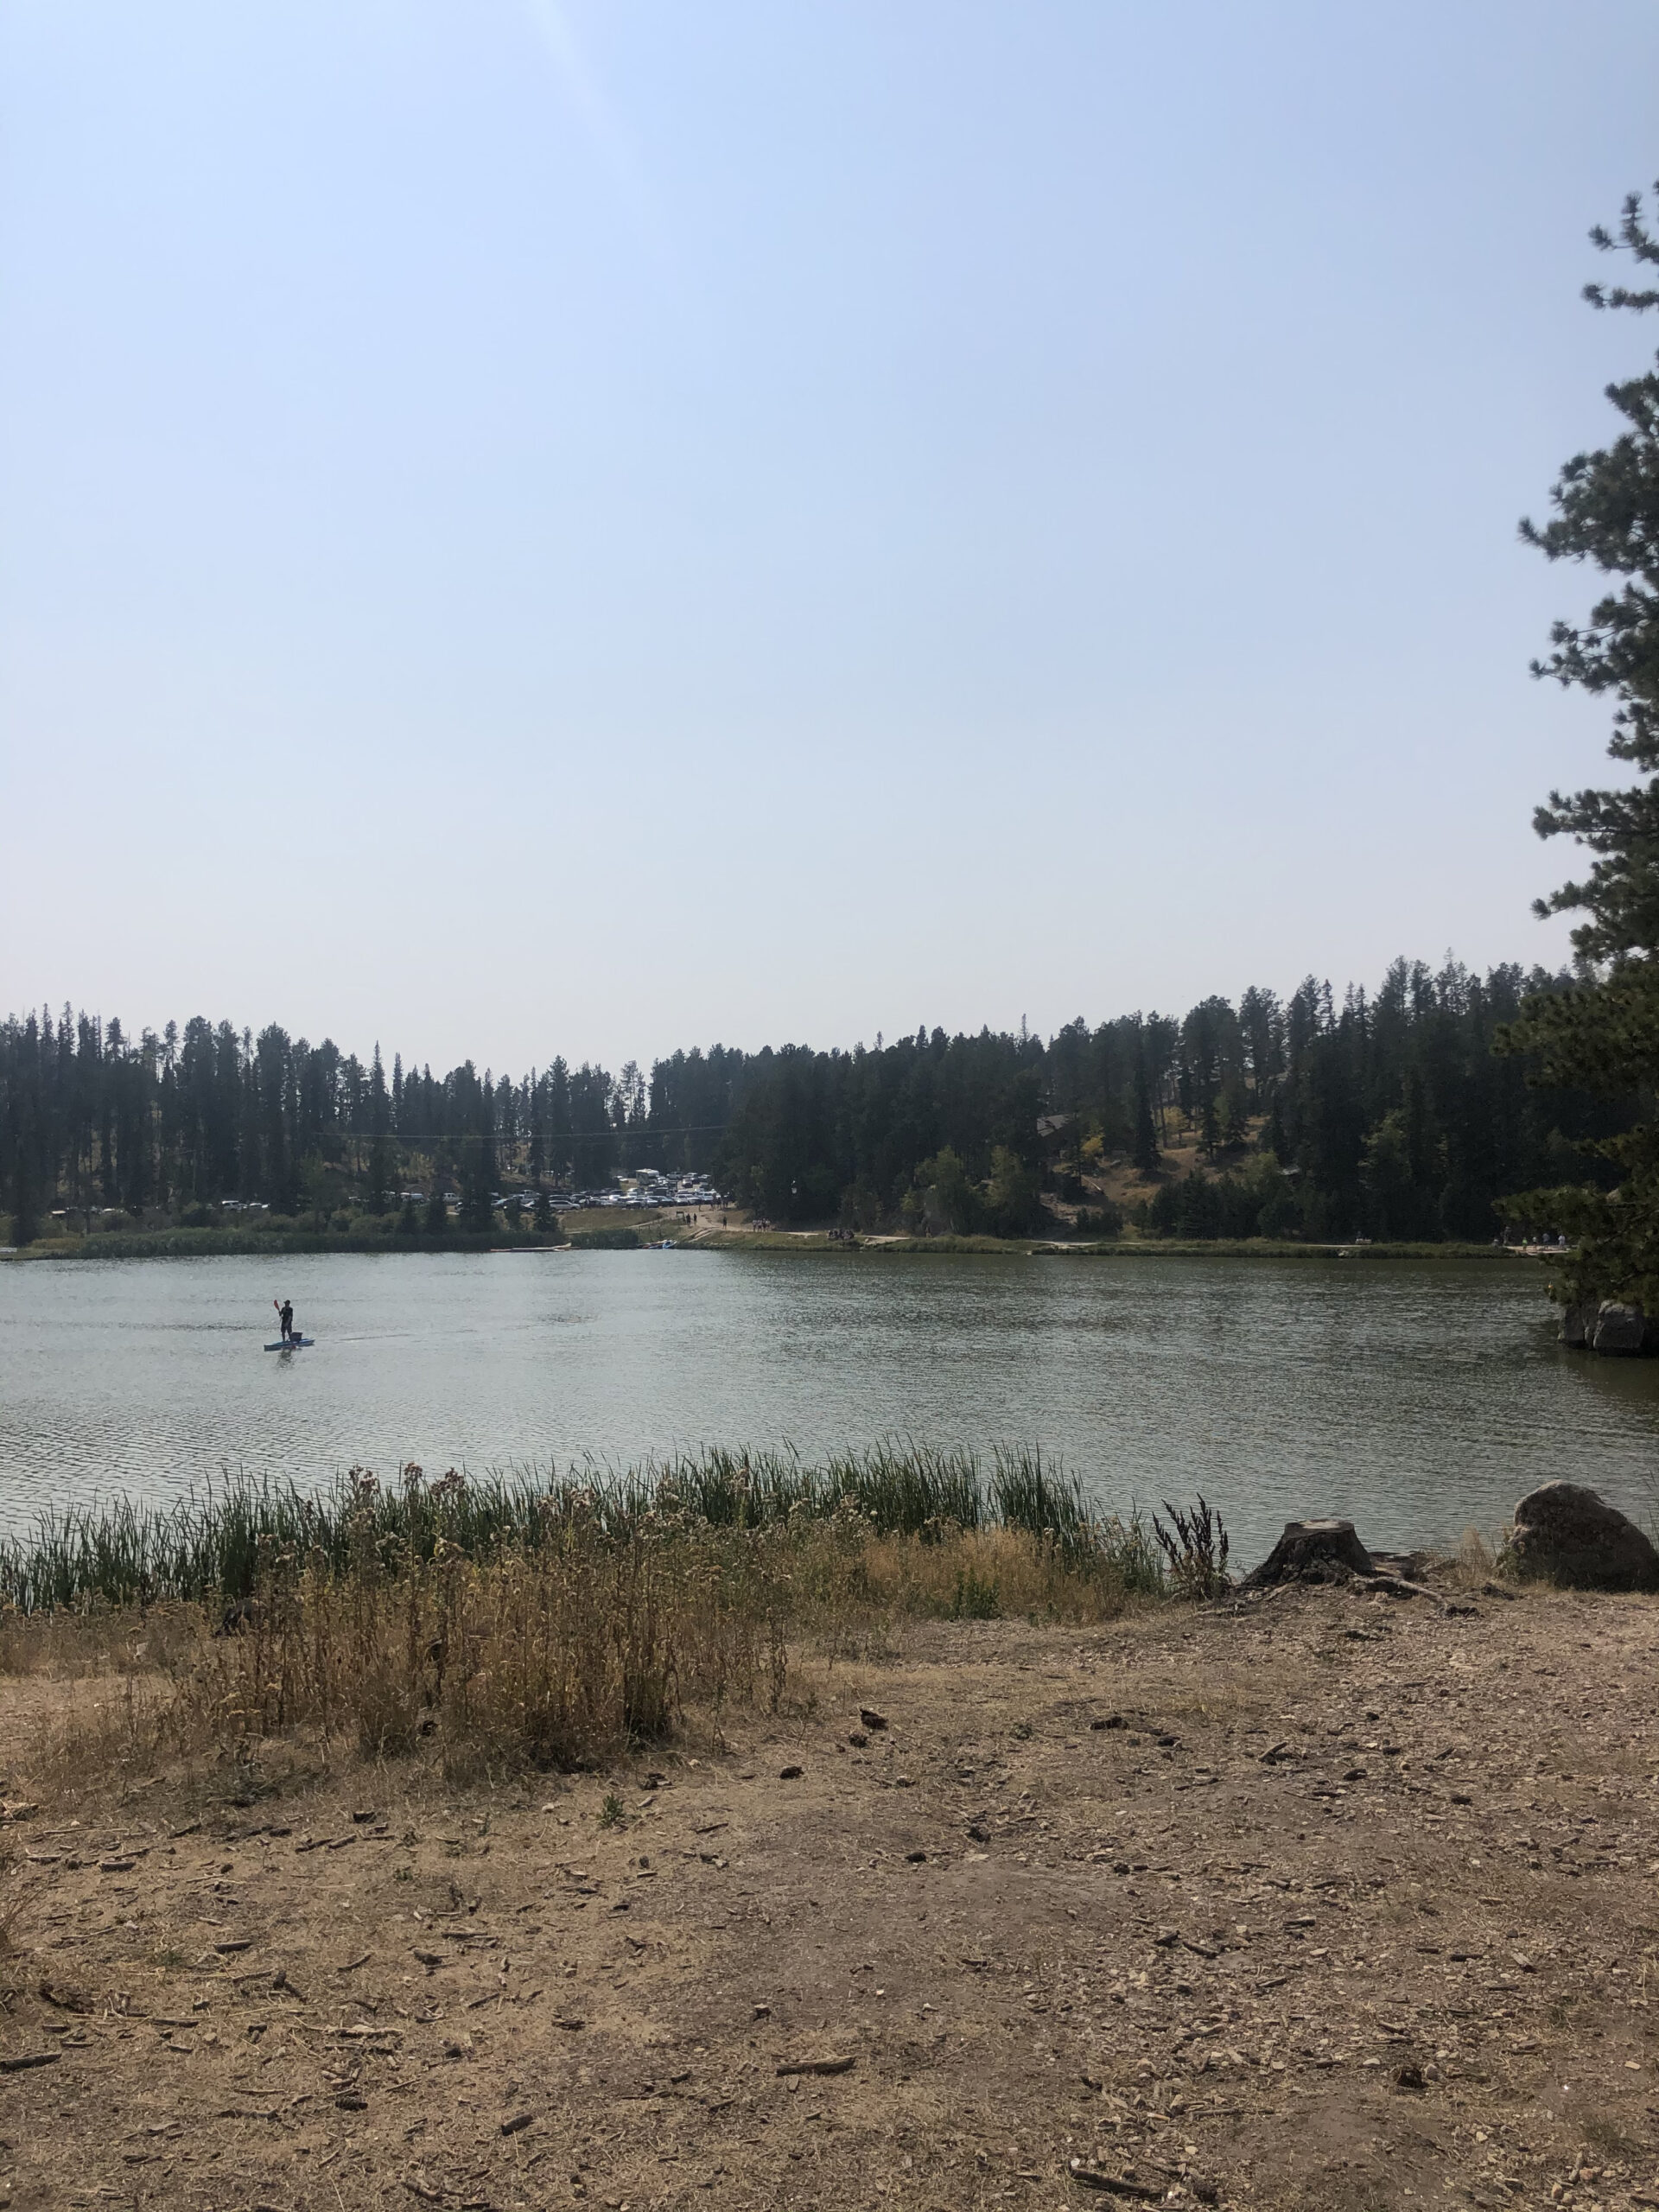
1387,1114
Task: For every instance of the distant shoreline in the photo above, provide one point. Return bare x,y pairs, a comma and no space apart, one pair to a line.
235,1244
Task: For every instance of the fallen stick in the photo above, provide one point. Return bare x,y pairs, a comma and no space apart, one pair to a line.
1115,2184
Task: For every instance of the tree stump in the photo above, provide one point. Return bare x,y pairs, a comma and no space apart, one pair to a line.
1312,1551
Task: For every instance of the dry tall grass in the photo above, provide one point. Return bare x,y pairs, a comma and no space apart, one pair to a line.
550,1655
554,1653
984,1574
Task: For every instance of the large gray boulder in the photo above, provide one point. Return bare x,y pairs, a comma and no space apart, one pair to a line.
1564,1533
1312,1551
1618,1328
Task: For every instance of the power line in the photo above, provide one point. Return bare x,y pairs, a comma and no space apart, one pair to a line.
548,1136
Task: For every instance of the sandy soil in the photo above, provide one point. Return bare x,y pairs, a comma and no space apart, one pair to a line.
1330,1901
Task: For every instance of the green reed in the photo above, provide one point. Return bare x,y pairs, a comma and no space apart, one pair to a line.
216,1543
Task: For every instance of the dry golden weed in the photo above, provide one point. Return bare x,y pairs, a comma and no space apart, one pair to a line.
1475,1561
95,1639
549,1657
985,1574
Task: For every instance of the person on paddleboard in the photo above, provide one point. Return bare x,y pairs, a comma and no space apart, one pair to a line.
285,1315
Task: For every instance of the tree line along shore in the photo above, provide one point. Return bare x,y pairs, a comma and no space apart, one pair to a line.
1385,1116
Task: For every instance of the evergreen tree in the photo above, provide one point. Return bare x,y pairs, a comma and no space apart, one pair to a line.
1603,1033
537,1160
379,1145
477,1183
1013,1206
1145,1151
26,1211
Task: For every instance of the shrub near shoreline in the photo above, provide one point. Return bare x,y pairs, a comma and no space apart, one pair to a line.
517,1622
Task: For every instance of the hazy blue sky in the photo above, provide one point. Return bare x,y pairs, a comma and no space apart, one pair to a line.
529,527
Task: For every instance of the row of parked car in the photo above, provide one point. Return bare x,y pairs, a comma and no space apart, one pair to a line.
642,1192
645,1192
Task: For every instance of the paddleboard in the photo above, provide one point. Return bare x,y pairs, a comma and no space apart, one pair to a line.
294,1344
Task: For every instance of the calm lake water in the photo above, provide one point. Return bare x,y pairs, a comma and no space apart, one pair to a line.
1415,1400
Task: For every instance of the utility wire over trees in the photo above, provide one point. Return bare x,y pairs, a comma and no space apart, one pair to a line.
1386,1114
1601,1034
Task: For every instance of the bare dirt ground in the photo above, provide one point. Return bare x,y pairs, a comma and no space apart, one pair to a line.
1328,1901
